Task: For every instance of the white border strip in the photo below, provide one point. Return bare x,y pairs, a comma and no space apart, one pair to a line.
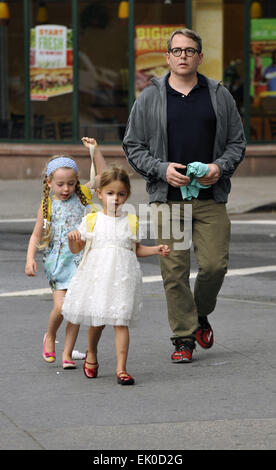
238,222
16,221
150,279
26,293
254,222
231,272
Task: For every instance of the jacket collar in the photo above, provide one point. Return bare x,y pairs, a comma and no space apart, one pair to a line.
161,82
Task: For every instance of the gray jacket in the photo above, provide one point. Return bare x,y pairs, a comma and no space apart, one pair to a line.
146,142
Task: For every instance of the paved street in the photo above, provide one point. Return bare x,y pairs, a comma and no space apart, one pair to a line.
224,399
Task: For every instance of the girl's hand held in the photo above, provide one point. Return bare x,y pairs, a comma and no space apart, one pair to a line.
163,250
76,244
74,236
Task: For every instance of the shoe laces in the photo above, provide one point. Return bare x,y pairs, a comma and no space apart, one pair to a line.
205,325
185,345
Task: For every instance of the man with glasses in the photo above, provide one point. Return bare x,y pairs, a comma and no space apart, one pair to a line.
183,118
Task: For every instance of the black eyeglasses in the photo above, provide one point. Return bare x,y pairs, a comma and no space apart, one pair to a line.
189,51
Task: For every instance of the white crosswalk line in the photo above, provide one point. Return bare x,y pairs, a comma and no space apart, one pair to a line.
150,279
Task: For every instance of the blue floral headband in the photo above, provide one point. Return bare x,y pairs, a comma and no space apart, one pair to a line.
61,162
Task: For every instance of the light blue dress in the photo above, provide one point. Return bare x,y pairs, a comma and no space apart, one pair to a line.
60,263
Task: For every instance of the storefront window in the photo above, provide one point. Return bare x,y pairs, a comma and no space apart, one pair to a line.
103,60
155,21
51,71
12,73
263,70
233,50
103,71
42,100
49,66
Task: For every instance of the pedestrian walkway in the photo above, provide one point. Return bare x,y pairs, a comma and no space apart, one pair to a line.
224,399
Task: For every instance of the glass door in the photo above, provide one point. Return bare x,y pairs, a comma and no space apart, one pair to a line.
51,70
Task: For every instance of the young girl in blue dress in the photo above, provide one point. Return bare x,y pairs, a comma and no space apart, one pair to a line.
106,289
64,204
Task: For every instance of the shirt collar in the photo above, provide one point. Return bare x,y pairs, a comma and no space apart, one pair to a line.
201,82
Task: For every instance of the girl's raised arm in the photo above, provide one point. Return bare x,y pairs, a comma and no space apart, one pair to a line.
98,158
31,266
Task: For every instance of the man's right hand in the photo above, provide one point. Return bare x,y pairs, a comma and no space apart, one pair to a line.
174,178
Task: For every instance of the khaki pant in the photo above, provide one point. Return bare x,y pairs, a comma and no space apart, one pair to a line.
209,228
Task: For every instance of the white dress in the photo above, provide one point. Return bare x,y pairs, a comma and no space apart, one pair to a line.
106,288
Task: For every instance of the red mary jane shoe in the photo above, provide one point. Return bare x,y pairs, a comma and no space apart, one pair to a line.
90,373
123,378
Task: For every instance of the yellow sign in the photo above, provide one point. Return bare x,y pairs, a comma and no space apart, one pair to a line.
51,64
150,53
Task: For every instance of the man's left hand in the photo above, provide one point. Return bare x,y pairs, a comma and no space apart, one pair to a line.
212,176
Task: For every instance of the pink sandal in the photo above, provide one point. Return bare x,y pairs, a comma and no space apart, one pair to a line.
48,357
68,364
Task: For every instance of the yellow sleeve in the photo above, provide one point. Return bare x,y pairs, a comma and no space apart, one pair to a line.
90,221
133,222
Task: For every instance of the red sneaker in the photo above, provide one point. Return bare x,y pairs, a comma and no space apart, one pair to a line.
183,351
204,334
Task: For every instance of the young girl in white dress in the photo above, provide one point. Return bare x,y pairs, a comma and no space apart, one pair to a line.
106,289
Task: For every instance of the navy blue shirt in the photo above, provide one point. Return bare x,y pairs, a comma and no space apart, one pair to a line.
191,128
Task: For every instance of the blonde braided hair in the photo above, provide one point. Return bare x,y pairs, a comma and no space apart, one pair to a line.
80,194
46,235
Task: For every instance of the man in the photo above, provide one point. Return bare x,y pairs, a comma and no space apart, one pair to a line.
182,118
269,75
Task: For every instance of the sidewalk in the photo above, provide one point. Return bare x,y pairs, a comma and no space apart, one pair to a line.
21,198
